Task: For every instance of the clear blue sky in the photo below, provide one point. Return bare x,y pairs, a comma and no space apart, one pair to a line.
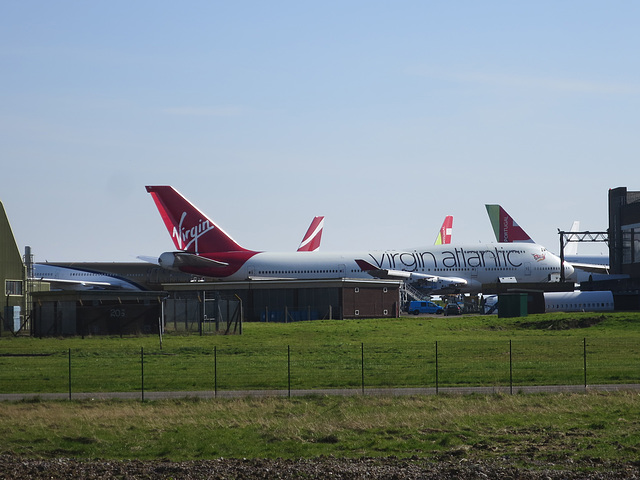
382,116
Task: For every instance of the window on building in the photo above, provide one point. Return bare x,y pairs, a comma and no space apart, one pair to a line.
631,244
626,246
13,287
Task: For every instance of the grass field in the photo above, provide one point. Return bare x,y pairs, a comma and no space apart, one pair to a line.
555,349
588,428
592,428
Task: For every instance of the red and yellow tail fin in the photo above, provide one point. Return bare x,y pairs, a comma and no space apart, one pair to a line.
444,235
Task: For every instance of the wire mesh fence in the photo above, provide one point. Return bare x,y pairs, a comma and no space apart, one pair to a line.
434,364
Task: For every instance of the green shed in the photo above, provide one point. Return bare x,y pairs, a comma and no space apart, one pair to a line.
512,305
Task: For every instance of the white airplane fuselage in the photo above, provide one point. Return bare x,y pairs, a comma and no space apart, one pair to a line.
137,276
475,264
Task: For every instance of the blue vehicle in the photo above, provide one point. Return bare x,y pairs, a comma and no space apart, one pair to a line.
416,307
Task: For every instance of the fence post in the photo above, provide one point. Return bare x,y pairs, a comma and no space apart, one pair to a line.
215,372
142,372
289,369
203,312
362,364
436,367
69,374
584,356
510,369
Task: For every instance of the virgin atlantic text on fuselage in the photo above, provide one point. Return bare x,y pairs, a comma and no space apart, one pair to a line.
456,258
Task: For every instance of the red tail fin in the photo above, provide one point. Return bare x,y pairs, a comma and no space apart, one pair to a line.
444,236
190,229
311,240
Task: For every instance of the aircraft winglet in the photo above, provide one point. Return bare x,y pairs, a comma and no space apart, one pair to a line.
366,266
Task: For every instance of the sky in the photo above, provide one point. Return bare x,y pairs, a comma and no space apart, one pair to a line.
382,116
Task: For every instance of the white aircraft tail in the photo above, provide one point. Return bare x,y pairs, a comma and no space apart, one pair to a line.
571,248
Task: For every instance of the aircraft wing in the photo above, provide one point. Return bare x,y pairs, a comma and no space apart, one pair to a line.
382,272
592,267
70,284
438,281
148,259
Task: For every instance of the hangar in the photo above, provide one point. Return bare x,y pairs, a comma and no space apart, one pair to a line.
13,276
210,307
291,300
624,232
624,250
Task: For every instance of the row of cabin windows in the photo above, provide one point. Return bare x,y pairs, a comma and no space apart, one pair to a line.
494,269
582,305
285,272
92,274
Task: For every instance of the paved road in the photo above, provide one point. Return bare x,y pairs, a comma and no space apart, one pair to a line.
15,397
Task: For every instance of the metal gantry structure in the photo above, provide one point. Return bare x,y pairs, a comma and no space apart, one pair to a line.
566,237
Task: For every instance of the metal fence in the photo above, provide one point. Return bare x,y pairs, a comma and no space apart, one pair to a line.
360,367
217,314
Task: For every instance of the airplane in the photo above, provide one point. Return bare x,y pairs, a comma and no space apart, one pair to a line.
507,230
141,276
136,276
63,277
203,248
133,276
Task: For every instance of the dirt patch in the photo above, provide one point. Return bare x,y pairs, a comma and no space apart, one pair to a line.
562,323
324,467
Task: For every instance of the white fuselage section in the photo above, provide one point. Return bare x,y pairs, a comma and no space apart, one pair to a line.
477,264
69,278
597,301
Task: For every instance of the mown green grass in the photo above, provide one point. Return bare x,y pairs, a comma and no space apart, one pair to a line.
590,429
595,427
471,351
